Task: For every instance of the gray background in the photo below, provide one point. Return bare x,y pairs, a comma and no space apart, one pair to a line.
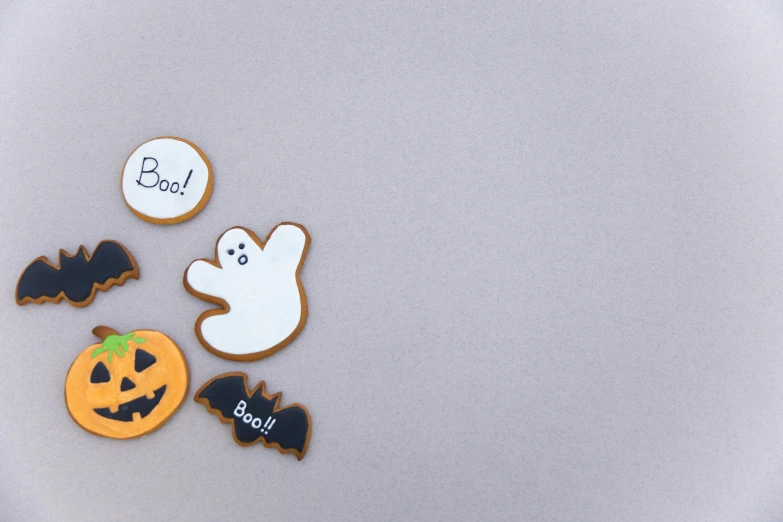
545,275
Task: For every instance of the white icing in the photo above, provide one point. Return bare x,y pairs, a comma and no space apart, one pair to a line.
168,192
263,295
248,418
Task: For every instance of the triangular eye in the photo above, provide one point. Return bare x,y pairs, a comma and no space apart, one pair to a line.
143,360
100,374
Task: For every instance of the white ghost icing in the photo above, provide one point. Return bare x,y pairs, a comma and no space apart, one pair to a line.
260,286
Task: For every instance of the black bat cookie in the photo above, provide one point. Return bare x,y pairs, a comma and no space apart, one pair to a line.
77,277
255,416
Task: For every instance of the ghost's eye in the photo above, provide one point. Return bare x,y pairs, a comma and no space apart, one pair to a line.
241,246
100,374
231,252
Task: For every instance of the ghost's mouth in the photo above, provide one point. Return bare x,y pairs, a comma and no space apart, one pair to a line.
142,405
242,259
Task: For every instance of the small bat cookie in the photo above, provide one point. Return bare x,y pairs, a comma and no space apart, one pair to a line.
256,283
256,416
77,278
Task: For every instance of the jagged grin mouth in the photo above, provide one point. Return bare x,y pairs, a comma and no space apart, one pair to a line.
141,405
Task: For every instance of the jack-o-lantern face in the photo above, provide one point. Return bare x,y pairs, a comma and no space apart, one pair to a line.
128,385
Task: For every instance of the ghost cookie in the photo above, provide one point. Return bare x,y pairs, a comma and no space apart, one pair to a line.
256,283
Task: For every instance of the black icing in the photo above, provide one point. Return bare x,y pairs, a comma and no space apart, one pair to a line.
291,424
142,405
127,384
76,276
143,360
243,259
100,374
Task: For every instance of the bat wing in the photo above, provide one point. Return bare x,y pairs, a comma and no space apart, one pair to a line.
39,280
221,395
290,430
110,264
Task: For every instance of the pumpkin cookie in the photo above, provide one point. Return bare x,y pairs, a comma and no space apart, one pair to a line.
128,385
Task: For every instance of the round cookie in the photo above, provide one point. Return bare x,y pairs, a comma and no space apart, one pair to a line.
166,180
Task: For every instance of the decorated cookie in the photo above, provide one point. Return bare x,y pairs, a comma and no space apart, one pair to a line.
167,180
77,278
256,416
127,385
256,283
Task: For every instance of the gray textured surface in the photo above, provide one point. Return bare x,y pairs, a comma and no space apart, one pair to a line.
545,277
